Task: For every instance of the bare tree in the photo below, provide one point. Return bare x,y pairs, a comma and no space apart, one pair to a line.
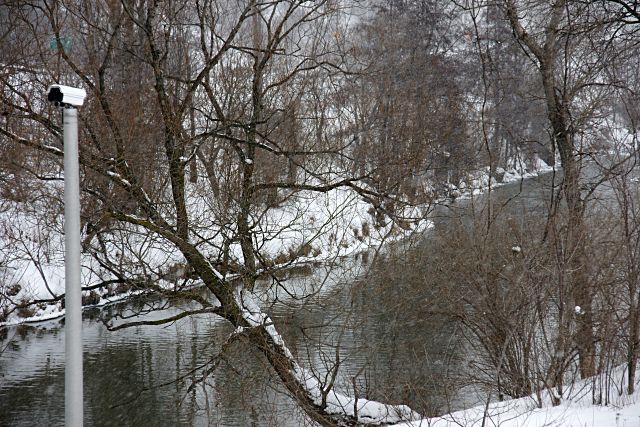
240,93
411,118
553,43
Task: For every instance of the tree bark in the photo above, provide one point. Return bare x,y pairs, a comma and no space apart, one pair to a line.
557,101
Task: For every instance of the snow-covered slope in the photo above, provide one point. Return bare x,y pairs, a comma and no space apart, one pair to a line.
576,410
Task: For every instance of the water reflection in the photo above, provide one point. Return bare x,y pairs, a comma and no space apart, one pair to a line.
374,328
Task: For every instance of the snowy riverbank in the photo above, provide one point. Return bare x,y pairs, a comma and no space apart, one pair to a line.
315,227
575,410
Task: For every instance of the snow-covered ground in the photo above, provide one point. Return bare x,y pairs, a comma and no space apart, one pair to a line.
576,410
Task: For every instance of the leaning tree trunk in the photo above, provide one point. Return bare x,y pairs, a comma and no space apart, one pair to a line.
320,402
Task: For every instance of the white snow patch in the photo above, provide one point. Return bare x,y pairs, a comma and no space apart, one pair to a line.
52,148
119,177
575,410
365,410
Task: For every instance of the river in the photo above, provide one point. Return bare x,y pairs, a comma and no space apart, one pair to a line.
370,312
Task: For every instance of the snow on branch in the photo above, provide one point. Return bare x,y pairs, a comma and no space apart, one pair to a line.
118,177
364,411
361,411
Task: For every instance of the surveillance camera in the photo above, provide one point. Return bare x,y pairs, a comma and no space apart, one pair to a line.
66,95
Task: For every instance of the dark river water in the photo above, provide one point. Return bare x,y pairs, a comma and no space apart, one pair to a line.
371,313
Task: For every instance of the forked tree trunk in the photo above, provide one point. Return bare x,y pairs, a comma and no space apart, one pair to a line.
547,55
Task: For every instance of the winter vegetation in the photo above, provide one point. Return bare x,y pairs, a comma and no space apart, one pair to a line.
227,143
576,409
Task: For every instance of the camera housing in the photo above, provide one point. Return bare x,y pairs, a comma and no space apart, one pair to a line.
66,96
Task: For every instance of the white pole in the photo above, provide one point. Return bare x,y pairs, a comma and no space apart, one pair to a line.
73,399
